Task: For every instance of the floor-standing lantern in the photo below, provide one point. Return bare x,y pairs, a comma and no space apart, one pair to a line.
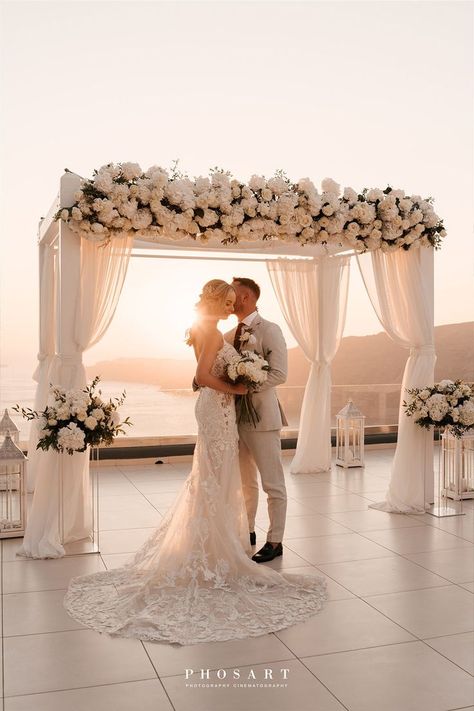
350,436
12,496
457,465
8,426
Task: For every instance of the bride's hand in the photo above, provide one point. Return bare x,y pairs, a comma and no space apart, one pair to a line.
240,389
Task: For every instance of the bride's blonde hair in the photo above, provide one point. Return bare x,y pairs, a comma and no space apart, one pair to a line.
214,294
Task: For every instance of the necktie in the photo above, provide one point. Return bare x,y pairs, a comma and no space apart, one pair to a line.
237,343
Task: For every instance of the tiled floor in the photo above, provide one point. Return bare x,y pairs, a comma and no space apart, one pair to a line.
397,633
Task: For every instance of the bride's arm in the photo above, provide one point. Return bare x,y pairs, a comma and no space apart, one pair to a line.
207,355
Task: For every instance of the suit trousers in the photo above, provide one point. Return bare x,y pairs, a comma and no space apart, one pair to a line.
262,450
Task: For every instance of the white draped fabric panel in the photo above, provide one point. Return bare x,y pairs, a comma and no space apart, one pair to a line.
313,298
46,370
400,288
102,274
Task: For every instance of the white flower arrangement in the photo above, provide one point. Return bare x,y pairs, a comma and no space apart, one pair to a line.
76,419
447,404
252,370
122,198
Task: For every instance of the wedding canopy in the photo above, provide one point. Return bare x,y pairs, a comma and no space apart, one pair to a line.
82,272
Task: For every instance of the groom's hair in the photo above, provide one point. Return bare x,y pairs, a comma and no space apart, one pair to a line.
250,284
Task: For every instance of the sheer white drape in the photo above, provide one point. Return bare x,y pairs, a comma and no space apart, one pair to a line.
102,274
313,298
46,370
400,288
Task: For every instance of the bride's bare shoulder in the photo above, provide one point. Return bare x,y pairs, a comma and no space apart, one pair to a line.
200,337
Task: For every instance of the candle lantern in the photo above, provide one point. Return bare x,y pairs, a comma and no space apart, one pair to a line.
12,492
350,437
7,425
457,465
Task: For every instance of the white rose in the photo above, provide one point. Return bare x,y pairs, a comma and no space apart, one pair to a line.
52,422
90,422
257,182
330,186
350,195
466,413
98,413
65,214
130,171
375,194
445,384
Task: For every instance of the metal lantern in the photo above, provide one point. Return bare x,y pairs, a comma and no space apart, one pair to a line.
7,425
457,465
12,494
350,436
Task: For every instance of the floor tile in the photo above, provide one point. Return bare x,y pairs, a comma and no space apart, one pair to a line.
341,502
308,526
36,613
55,574
417,539
70,660
302,492
147,517
172,660
429,613
127,540
340,547
401,677
468,586
302,693
458,648
146,695
342,625
456,565
381,575
371,520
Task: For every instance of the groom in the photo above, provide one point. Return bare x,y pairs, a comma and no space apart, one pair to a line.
260,447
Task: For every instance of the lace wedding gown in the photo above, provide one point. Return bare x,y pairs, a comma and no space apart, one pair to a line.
193,581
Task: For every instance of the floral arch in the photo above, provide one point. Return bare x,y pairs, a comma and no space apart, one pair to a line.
308,237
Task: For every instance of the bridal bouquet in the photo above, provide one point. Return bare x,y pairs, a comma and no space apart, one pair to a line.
252,370
446,404
76,419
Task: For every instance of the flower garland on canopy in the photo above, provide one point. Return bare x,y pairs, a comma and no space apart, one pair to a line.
121,197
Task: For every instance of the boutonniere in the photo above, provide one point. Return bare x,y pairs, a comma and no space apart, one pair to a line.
247,338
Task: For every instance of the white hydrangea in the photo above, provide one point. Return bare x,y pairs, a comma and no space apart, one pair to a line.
466,413
71,437
437,406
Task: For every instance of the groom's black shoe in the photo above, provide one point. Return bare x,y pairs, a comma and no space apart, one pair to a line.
253,538
268,552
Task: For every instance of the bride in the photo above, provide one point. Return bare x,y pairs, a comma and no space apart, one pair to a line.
193,581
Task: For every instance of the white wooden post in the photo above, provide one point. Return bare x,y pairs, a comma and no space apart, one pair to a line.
427,270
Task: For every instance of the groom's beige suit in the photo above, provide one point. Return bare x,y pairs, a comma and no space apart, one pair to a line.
260,447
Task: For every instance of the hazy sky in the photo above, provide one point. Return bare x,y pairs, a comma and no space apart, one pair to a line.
367,93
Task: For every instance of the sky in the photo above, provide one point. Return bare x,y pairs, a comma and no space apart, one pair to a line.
367,93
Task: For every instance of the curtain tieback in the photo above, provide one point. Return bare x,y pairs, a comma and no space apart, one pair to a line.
422,350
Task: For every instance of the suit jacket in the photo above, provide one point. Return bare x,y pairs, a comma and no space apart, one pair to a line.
268,337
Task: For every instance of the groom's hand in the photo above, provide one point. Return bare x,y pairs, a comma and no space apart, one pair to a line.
196,387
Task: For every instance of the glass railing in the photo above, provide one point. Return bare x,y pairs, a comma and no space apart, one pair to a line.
157,413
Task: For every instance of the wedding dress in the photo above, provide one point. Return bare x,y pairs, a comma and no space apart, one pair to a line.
193,581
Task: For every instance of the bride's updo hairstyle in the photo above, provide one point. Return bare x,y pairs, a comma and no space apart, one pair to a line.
211,299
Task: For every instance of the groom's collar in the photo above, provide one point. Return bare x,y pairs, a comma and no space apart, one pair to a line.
248,320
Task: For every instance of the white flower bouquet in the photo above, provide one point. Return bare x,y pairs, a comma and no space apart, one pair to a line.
123,198
76,419
252,370
447,404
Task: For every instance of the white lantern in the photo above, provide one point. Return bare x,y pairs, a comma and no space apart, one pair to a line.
8,426
350,437
12,495
457,465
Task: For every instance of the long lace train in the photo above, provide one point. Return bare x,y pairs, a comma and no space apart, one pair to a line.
193,581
